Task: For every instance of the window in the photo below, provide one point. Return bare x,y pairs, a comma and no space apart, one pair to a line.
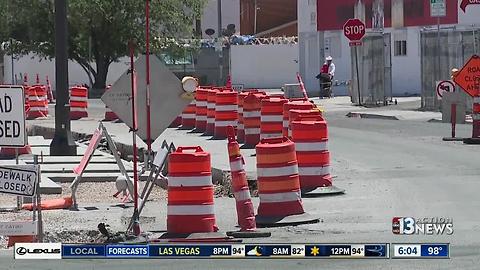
400,47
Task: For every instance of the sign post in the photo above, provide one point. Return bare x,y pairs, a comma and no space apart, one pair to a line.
354,30
438,9
468,78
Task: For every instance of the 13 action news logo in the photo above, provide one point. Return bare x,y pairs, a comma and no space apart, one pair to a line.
38,251
427,226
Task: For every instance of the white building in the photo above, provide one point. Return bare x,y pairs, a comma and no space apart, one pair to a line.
320,32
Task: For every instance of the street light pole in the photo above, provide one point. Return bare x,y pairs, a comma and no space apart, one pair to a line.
62,143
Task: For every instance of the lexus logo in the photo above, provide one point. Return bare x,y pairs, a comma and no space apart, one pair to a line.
21,251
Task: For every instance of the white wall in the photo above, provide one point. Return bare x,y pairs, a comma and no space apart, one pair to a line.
264,66
33,65
230,14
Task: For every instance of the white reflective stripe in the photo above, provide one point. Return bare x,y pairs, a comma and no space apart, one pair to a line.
201,118
476,100
311,146
271,118
270,135
210,120
240,126
251,114
314,170
225,123
189,181
237,165
190,210
240,109
252,131
210,105
193,103
226,108
188,116
201,104
36,98
280,197
279,171
242,195
285,123
289,133
78,109
78,98
476,116
38,109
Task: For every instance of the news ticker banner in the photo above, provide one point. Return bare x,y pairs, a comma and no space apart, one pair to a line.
319,251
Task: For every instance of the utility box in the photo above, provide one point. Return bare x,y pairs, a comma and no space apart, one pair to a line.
454,98
293,91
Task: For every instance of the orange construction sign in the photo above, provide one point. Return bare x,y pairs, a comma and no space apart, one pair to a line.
469,77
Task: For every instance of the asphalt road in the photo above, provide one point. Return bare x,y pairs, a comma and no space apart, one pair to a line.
389,168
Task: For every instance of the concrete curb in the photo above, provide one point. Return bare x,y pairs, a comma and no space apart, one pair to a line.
371,116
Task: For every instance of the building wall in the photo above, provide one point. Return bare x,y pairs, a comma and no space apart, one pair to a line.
264,66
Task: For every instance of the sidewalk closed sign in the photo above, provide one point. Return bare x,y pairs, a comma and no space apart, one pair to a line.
18,179
12,116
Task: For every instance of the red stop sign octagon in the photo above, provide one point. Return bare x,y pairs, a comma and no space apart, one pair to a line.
354,29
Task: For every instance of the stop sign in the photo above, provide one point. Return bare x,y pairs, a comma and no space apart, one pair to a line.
354,29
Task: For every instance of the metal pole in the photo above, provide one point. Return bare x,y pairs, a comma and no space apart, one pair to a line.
13,65
147,51
358,77
220,54
439,69
255,18
62,143
136,227
454,118
38,201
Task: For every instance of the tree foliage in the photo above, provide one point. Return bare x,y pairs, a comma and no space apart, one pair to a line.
99,29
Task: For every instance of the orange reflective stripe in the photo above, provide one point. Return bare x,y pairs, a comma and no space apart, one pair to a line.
276,158
205,196
284,185
188,167
252,122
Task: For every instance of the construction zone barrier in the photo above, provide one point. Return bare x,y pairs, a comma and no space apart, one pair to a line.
190,192
12,240
188,116
38,102
300,104
311,145
279,184
201,109
226,107
78,102
176,123
272,117
10,152
251,118
62,203
211,97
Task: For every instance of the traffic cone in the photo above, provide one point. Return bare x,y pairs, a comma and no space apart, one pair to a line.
245,212
279,184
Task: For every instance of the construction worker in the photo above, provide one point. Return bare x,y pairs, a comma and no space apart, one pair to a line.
326,77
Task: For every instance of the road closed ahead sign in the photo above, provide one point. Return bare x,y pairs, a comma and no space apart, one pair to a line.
12,116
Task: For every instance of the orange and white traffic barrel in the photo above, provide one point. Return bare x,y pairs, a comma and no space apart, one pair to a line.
226,112
311,145
78,102
176,123
475,139
241,126
251,118
189,115
279,184
38,102
293,105
109,114
271,117
201,109
190,192
211,97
